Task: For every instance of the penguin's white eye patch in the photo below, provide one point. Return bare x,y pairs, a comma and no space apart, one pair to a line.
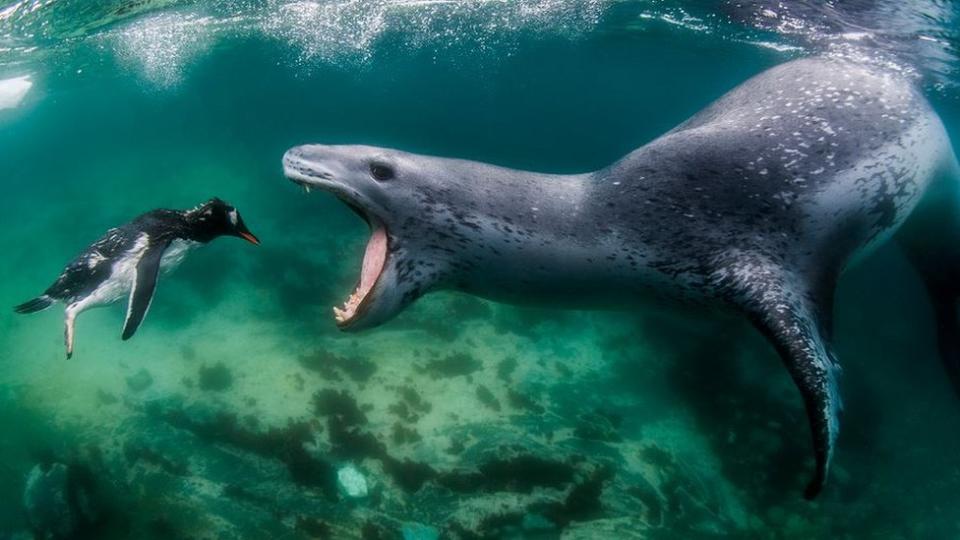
233,217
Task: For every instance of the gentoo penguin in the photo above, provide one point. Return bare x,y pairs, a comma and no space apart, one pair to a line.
128,259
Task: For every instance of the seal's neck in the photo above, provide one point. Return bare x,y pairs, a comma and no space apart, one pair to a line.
554,207
522,236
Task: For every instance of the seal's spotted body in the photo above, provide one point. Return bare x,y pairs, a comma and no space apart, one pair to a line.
758,202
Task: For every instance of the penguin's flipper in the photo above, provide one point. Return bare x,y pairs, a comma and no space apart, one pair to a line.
70,318
144,285
784,309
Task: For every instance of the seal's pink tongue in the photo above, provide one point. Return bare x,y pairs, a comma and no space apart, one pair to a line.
373,259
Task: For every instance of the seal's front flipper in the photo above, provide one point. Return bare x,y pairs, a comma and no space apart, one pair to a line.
782,307
931,240
144,285
940,278
948,330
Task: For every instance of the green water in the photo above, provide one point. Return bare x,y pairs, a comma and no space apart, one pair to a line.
467,417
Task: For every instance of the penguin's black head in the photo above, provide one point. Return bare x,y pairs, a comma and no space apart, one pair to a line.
217,218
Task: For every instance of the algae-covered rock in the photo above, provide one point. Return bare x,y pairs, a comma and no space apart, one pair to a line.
615,528
216,377
141,380
59,500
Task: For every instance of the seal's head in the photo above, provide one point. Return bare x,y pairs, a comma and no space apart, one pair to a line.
387,189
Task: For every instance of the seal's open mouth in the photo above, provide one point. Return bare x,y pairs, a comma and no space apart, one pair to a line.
374,256
374,261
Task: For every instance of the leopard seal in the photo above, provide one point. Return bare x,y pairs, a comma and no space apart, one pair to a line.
757,203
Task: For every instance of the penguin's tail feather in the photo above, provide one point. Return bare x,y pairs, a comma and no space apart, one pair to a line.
39,303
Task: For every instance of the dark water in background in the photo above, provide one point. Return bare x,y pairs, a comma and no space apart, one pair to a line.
465,416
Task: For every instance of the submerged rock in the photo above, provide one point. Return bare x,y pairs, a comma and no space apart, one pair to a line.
141,380
312,527
216,377
285,444
419,531
598,426
106,398
620,528
536,523
330,366
403,435
487,398
453,365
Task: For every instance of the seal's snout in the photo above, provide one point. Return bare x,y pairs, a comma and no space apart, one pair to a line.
344,171
306,166
290,158
309,153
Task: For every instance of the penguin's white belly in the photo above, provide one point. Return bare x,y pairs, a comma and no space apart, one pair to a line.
115,287
175,253
124,272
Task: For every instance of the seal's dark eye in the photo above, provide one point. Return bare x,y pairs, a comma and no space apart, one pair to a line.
381,172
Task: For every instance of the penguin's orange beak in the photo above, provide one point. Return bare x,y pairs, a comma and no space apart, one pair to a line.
249,237
244,232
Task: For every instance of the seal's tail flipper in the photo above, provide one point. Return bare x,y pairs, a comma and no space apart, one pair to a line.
797,337
792,318
39,303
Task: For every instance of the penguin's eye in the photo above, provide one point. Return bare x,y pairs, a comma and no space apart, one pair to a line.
381,172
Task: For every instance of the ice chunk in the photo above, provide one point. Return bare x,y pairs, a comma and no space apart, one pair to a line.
13,90
352,482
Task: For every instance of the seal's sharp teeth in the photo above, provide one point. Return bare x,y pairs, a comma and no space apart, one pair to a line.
306,188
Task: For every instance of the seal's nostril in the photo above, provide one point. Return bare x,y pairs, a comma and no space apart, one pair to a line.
292,155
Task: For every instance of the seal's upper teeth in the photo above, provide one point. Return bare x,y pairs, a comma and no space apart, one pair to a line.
306,188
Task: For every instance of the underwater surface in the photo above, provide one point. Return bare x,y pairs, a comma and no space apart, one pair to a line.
239,410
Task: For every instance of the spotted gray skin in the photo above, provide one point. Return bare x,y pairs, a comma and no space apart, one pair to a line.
758,203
